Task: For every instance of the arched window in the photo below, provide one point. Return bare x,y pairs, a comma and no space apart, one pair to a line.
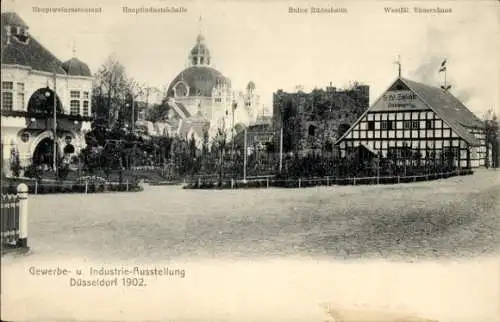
181,90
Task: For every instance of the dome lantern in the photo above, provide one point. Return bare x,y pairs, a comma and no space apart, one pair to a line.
199,55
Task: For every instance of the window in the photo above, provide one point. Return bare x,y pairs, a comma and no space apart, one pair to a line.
20,96
7,86
407,125
414,125
7,101
387,125
74,94
429,124
7,96
86,111
218,99
74,107
371,125
85,95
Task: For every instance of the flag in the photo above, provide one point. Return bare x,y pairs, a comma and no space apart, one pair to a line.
443,66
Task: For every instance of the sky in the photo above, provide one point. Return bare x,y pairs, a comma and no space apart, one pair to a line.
264,43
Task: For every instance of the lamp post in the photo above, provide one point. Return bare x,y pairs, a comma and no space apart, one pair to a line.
54,128
281,150
233,107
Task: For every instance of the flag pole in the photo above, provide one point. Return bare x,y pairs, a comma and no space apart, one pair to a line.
245,157
399,66
445,71
55,124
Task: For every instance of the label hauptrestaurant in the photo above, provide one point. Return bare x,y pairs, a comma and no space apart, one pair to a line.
67,10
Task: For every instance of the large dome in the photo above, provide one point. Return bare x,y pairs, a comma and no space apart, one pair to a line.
200,81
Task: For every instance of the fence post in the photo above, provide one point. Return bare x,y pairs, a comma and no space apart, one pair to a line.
354,181
327,181
232,183
399,179
22,194
199,182
267,182
127,185
36,187
299,182
86,186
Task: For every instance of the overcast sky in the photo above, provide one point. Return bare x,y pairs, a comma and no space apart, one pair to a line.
264,43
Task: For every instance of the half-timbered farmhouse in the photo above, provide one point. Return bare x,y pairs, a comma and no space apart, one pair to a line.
418,122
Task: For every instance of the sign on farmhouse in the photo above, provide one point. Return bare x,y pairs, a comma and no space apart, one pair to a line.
400,99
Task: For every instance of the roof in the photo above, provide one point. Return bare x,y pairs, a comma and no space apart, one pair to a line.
32,54
183,109
76,67
179,108
200,79
443,103
13,19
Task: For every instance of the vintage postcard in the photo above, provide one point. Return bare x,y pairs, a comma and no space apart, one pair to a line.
250,161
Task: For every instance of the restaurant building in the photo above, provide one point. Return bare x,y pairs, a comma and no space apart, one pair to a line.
32,79
419,122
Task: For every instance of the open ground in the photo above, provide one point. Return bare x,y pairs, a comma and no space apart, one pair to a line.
429,248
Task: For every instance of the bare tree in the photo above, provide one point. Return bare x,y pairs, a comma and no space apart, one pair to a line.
110,89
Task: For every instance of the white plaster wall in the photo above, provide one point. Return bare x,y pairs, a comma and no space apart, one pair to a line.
12,127
34,80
